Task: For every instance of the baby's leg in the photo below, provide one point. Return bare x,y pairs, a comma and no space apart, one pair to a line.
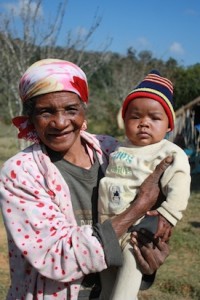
148,222
108,278
128,278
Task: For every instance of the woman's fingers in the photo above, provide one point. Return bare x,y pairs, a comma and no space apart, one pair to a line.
160,169
142,263
150,253
149,189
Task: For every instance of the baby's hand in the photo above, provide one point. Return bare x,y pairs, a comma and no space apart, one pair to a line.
164,230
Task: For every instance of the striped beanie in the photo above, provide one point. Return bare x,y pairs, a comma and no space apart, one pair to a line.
155,87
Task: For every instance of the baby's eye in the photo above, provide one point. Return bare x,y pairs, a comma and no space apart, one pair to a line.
156,118
135,117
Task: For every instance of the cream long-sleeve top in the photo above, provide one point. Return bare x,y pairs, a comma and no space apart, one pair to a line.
48,253
129,165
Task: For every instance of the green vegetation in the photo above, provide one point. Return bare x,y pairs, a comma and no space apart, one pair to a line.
4,273
8,142
179,277
111,77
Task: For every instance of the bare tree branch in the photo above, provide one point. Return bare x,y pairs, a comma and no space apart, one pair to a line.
27,35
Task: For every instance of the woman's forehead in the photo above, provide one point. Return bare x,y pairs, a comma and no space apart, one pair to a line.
57,99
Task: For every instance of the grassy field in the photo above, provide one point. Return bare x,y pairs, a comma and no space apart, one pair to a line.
177,279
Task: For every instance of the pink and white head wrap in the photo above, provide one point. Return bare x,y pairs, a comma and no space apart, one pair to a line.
53,75
47,76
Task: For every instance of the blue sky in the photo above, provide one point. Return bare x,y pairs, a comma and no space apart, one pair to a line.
166,28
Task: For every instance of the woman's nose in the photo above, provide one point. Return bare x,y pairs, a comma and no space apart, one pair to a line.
60,120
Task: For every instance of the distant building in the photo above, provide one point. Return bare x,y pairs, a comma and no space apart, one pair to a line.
186,133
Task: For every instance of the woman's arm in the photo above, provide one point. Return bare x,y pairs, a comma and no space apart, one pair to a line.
41,225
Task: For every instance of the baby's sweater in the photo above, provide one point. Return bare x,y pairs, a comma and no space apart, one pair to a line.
128,167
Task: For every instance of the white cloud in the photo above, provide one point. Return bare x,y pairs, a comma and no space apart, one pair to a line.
191,12
143,42
176,48
23,6
81,31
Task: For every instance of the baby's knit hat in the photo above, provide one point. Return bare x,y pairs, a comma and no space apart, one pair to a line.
155,87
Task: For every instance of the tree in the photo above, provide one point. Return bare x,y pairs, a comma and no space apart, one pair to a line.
110,85
26,35
187,85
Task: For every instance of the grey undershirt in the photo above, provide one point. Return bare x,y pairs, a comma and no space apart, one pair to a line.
83,185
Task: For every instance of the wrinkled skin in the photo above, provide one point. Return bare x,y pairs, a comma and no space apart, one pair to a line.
150,253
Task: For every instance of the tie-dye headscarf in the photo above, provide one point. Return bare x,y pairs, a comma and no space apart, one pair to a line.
46,76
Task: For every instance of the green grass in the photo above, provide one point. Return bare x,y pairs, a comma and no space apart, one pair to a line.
177,279
4,273
8,142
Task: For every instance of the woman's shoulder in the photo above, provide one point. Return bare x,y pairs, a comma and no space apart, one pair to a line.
18,160
103,138
102,141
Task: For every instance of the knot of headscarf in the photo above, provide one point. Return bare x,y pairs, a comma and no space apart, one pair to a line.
47,76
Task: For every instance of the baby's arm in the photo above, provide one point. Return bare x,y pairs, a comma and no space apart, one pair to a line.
176,187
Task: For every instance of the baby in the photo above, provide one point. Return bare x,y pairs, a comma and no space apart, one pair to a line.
148,116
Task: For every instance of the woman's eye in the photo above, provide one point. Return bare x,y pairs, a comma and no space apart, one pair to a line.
40,112
48,112
43,112
72,109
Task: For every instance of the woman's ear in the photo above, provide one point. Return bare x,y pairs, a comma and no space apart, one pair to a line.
84,125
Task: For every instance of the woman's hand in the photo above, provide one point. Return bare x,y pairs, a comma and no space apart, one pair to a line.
150,253
147,197
149,191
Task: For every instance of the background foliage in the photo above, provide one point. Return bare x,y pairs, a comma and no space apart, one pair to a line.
111,76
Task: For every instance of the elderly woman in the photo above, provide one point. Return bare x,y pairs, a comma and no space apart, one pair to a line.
49,192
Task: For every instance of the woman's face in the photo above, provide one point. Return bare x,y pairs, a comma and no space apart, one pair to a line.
58,118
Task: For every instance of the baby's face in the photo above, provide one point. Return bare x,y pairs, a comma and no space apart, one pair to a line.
146,122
